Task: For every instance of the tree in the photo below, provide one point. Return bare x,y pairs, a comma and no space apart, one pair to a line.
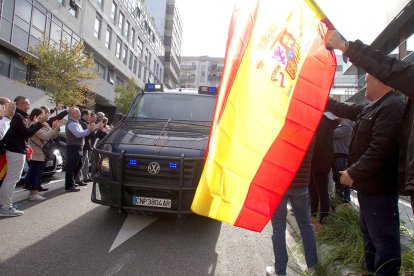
125,95
65,74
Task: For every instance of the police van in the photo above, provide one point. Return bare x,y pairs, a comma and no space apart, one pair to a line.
153,159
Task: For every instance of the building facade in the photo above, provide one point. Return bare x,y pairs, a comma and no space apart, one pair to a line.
119,33
396,39
201,71
167,19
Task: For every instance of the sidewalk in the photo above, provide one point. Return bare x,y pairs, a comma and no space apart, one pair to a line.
406,217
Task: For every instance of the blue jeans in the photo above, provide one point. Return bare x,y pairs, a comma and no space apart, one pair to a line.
380,227
34,174
299,199
341,191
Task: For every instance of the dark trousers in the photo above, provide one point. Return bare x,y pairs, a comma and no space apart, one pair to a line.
341,191
319,194
73,164
380,227
34,174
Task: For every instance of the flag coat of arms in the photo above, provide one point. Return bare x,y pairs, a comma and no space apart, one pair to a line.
274,88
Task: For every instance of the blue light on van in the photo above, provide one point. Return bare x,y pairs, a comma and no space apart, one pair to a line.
132,162
173,165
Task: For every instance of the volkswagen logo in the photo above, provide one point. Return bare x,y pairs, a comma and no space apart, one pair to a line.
154,168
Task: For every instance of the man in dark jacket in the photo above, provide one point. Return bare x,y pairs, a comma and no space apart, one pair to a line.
16,141
396,74
373,172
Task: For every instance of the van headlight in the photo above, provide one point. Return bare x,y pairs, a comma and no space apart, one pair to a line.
105,165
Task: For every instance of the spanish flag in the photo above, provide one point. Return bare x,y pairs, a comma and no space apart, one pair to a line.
275,85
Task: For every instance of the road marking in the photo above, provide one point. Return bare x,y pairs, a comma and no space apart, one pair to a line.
132,225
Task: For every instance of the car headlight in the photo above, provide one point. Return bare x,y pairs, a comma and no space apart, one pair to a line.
105,165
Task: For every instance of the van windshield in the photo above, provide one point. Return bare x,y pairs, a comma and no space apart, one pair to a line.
185,107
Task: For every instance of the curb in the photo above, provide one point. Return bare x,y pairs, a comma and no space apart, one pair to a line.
322,250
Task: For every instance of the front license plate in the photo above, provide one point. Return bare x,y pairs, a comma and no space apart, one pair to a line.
151,202
49,163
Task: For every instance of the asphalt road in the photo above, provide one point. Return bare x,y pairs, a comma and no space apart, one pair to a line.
69,235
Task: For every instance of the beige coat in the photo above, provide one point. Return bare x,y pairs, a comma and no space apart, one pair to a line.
39,139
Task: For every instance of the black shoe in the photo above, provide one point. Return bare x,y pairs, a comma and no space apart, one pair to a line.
41,189
81,183
88,180
72,189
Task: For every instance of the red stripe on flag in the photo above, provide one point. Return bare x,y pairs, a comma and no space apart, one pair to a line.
285,155
235,50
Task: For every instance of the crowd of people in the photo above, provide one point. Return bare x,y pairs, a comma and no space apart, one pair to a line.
368,147
370,150
25,136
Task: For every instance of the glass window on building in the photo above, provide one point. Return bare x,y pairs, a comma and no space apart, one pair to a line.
8,9
19,70
23,9
139,69
114,9
118,48
5,29
125,54
140,45
135,64
410,45
126,29
132,37
149,60
131,60
20,38
119,82
121,21
73,9
111,76
5,61
39,19
55,32
97,31
108,38
146,56
99,69
100,3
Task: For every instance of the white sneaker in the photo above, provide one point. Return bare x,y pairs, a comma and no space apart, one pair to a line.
270,271
10,212
36,197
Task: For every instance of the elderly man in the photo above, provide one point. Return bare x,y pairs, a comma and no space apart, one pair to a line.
372,171
394,73
16,141
75,140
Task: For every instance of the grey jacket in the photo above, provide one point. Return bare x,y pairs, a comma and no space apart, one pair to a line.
342,136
